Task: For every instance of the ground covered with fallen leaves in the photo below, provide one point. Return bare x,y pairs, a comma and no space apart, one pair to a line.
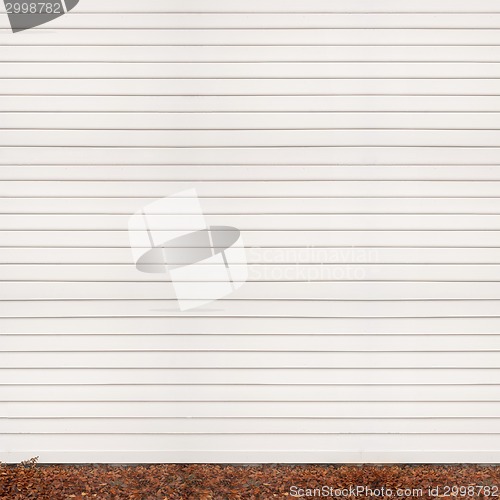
266,482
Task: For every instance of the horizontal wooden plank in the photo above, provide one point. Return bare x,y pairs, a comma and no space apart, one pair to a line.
303,255
255,360
222,6
285,222
252,156
251,121
432,36
259,457
251,70
250,425
251,104
240,409
250,376
30,290
256,53
265,239
248,308
256,325
249,138
253,189
141,393
271,20
257,272
264,442
223,206
246,86
266,342
224,173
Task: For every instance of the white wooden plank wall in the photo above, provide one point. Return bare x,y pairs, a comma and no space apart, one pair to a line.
356,144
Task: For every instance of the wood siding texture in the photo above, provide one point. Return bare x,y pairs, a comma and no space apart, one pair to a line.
356,145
